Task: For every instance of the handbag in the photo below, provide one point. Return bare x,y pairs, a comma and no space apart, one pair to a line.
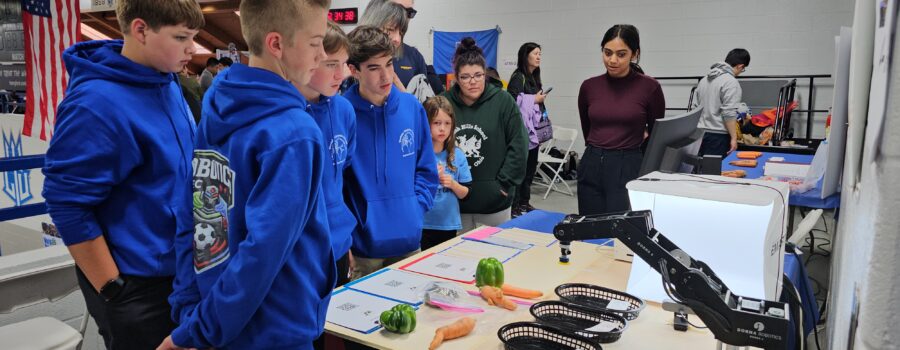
543,128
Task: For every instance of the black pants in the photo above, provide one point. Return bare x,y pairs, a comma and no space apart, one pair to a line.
715,144
524,192
602,175
431,238
138,318
343,271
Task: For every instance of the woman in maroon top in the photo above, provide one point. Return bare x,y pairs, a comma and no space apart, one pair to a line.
617,111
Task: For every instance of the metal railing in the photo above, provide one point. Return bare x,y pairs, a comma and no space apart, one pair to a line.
809,100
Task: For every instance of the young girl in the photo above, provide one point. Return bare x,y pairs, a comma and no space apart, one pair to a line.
443,220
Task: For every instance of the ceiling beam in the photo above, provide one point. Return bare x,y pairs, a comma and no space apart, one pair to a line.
221,6
218,34
100,24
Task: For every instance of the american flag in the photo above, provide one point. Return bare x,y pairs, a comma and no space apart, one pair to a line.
50,27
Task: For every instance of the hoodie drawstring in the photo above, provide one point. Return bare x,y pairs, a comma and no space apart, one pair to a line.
185,163
375,145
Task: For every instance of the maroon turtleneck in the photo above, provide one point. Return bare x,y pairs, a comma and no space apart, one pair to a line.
615,112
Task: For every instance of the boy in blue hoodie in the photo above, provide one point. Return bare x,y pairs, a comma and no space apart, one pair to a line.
335,117
393,176
258,270
118,168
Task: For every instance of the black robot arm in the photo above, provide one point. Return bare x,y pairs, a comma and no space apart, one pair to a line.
733,319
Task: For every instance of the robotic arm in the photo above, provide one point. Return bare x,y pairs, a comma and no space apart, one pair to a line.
733,319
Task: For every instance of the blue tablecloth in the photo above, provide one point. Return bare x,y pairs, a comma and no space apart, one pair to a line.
808,199
544,221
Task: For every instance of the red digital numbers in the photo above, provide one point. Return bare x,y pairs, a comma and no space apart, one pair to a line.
343,16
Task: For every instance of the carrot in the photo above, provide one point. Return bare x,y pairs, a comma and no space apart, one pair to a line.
749,154
744,162
454,330
494,296
514,291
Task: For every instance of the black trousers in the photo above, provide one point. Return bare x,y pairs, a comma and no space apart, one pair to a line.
524,192
138,318
602,175
715,144
431,238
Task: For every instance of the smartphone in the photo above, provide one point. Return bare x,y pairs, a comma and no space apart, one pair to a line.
547,90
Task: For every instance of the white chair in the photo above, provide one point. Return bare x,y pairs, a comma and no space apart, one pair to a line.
564,140
31,278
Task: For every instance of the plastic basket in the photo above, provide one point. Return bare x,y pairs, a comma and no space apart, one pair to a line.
536,336
577,319
598,298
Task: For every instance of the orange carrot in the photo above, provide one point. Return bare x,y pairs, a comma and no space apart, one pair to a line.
494,296
514,291
454,330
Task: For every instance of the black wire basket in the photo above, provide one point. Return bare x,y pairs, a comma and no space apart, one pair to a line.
579,320
536,336
599,298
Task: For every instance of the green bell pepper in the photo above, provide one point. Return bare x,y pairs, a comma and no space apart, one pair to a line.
399,319
489,273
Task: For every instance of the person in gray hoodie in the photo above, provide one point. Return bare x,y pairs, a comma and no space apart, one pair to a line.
719,93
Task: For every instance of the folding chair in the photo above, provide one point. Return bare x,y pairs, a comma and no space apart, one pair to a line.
563,140
31,278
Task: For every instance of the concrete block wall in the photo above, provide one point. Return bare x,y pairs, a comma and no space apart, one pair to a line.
678,37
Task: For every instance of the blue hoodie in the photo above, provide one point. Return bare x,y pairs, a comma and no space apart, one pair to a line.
393,174
119,162
337,121
257,271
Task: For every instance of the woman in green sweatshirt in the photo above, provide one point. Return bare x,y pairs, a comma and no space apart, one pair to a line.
489,130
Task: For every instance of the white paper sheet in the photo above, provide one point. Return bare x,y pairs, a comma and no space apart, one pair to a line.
477,250
393,284
356,310
447,267
538,239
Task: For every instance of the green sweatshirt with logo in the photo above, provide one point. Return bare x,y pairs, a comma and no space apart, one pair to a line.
491,134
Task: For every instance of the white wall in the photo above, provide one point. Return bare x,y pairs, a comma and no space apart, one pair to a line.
678,37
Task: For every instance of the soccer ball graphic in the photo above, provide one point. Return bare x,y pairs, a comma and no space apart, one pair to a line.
203,236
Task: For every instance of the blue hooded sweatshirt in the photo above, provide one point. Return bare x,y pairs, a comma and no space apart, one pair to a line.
393,174
337,121
257,271
119,162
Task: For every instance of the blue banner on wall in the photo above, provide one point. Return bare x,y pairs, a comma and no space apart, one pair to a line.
445,45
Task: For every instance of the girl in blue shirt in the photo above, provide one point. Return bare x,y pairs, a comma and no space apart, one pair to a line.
443,220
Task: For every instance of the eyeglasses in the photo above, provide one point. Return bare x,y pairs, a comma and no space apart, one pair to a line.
467,78
744,69
411,13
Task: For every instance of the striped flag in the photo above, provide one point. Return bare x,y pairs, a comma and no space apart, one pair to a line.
50,27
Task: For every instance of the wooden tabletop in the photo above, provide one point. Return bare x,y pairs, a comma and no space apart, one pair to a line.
538,268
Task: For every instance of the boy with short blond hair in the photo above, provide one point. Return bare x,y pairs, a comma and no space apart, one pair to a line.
119,167
258,269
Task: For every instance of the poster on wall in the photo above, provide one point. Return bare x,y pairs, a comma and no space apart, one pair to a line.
885,18
445,46
232,53
12,47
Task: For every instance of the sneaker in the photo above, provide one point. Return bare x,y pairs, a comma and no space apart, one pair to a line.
526,208
516,211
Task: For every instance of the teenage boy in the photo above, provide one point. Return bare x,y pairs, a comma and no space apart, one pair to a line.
337,121
719,93
206,78
119,166
393,175
257,271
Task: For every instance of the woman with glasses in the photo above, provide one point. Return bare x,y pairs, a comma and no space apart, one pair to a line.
489,130
393,17
617,112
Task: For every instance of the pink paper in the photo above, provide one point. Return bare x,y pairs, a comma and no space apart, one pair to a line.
483,233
